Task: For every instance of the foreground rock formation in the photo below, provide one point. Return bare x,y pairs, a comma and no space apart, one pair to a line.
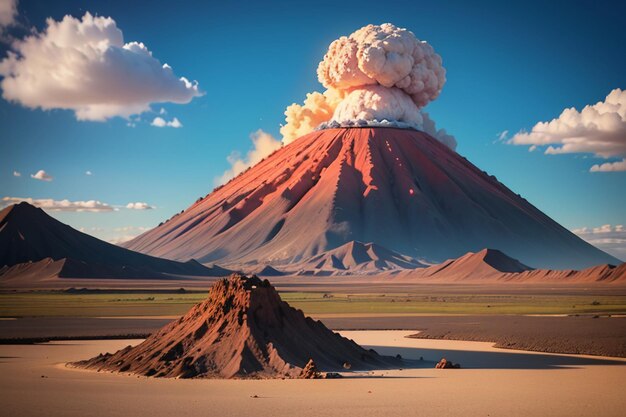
242,330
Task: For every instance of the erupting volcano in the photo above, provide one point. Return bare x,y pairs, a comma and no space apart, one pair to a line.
398,188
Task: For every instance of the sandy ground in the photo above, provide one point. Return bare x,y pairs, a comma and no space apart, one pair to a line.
493,383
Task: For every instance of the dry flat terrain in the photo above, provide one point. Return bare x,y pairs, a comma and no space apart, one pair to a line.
492,382
501,314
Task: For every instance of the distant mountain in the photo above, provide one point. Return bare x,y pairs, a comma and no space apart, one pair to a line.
354,258
33,243
490,265
399,188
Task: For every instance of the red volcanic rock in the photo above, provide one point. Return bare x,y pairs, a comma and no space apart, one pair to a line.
398,188
310,371
242,330
446,364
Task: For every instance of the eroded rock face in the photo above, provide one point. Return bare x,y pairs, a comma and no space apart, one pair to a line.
242,330
310,371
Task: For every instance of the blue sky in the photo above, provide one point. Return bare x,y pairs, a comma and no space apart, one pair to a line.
509,65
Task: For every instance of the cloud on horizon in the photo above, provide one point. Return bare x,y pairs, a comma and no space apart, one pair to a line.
611,239
599,129
263,144
61,205
40,175
85,66
139,206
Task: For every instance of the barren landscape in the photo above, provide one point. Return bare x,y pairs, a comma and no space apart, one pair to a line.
516,382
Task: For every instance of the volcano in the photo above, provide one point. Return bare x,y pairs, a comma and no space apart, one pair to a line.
242,330
400,189
35,246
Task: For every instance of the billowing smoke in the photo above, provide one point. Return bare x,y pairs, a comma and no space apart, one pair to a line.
378,76
385,55
303,119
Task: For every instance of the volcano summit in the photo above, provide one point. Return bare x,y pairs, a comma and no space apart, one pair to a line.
398,188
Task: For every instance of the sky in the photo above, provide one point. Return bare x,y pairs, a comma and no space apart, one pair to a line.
510,65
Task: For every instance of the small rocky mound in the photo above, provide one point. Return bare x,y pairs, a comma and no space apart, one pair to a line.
310,371
446,364
242,330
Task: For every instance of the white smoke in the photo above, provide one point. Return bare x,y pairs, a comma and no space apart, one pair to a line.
303,119
378,76
385,55
375,102
263,144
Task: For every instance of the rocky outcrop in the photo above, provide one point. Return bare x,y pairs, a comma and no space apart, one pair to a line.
242,330
446,364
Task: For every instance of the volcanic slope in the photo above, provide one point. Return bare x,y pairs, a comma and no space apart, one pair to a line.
33,244
398,188
242,330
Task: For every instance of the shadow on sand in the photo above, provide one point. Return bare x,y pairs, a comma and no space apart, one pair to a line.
490,360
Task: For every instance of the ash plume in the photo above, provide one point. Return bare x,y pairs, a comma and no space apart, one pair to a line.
380,75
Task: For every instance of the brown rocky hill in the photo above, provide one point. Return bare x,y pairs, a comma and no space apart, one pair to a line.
242,330
491,266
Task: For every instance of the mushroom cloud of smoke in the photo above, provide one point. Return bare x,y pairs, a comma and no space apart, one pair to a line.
378,76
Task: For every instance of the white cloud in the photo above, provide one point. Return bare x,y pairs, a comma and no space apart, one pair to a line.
88,173
140,229
611,239
126,233
610,166
85,66
41,175
139,206
8,12
61,205
599,129
160,122
263,144
503,135
17,174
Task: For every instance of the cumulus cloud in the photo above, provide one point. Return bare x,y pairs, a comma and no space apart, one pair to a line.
609,166
160,122
609,238
139,206
85,66
263,144
61,205
599,129
41,175
8,12
17,174
378,76
88,173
